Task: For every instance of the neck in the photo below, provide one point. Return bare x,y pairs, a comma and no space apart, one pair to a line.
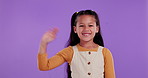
88,44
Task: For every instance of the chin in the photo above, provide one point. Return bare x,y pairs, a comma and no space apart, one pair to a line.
86,40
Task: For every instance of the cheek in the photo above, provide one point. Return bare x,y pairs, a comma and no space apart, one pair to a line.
78,29
96,29
93,29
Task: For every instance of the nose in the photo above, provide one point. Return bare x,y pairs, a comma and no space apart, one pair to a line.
86,28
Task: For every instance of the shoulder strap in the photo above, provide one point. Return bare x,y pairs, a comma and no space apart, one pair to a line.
100,49
75,49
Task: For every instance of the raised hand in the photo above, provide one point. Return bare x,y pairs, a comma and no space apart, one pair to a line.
49,36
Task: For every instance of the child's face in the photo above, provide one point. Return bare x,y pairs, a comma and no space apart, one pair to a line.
86,27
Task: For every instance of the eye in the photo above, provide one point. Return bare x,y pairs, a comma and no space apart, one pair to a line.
81,25
91,25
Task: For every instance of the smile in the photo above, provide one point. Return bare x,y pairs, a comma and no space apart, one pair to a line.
86,34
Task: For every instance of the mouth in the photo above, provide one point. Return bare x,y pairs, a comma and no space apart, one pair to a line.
86,34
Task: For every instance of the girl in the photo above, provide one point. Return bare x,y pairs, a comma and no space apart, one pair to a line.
85,54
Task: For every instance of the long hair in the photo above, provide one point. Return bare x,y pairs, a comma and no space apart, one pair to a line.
74,39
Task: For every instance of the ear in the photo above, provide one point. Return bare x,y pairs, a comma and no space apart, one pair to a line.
97,29
74,29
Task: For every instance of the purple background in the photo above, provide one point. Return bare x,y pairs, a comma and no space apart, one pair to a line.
23,22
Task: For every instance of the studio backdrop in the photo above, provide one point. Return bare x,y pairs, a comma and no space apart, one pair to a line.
124,29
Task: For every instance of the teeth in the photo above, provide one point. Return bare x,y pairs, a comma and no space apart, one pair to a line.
85,34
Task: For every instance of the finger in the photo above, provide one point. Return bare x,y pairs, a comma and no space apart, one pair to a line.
55,30
52,31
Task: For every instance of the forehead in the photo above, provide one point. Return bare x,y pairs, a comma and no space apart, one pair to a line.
86,18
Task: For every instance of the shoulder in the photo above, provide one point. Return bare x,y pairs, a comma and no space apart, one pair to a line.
66,50
66,53
106,52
